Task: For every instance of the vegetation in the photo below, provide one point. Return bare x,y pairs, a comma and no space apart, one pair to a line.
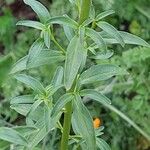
69,81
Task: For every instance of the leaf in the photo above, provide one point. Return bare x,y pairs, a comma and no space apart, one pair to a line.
97,38
34,106
39,9
133,39
87,22
30,23
34,51
103,55
10,135
47,117
104,14
63,20
68,32
73,61
25,130
100,72
58,77
31,82
61,102
45,57
97,96
42,133
47,34
102,145
82,121
24,99
112,31
20,65
22,109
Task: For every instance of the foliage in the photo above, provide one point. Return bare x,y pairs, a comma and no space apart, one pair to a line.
43,106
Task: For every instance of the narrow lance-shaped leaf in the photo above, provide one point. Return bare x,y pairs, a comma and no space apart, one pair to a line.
69,32
133,39
23,99
112,31
34,51
47,117
101,144
10,135
97,96
97,38
104,14
31,82
58,77
83,124
39,9
73,61
30,23
103,55
61,102
20,65
47,34
45,57
25,130
63,20
34,106
100,72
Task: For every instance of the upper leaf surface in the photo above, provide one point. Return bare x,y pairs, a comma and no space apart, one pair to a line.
39,9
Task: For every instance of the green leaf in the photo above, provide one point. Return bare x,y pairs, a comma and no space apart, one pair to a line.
133,39
20,65
61,102
104,14
58,77
45,57
63,20
103,55
87,22
100,72
39,136
47,117
34,51
39,9
31,82
47,34
22,109
10,135
34,106
96,37
24,99
25,130
111,31
83,124
30,23
68,32
97,96
102,145
73,55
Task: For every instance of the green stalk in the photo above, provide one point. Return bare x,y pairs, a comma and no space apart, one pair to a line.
84,14
85,9
66,126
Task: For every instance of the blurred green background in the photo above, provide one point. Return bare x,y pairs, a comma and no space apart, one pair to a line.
130,94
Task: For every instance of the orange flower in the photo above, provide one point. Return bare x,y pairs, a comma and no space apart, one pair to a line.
97,123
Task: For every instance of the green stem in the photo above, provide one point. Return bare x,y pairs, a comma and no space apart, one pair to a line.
66,126
84,14
57,44
85,9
